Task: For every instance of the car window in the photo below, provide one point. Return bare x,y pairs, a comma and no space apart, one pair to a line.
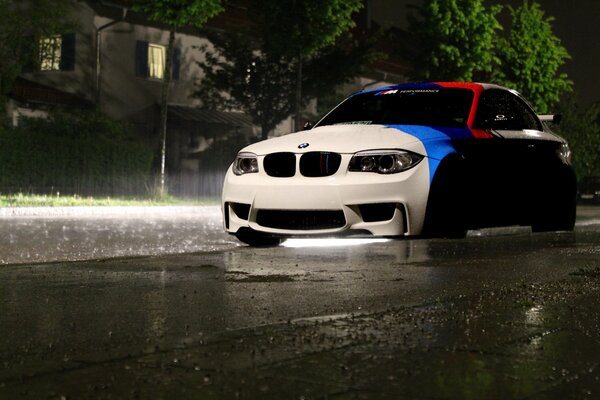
502,110
444,107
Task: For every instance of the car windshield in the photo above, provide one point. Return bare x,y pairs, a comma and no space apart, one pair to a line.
430,107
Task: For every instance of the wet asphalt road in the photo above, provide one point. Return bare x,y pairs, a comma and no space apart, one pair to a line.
491,316
33,235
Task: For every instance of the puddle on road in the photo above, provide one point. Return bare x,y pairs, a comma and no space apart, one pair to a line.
246,278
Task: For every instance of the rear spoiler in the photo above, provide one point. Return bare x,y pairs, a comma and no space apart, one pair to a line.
554,118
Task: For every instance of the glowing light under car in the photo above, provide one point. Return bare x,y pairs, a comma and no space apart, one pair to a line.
331,242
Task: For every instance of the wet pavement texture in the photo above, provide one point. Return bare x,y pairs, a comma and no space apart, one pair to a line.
32,234
47,234
492,316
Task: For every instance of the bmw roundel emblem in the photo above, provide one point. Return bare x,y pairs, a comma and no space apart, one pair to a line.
303,145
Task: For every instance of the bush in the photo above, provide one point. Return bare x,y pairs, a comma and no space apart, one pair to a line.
581,127
84,153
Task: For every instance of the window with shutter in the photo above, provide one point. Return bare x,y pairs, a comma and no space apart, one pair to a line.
156,61
150,60
176,64
57,52
67,52
50,53
141,59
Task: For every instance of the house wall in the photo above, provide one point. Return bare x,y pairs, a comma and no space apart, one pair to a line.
80,81
123,94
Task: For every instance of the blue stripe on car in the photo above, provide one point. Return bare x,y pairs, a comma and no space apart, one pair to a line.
436,140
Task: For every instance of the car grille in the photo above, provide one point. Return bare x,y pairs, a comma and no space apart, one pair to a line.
301,220
316,164
312,165
280,165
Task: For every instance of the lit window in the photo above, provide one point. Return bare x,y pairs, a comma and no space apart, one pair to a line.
150,60
50,51
156,61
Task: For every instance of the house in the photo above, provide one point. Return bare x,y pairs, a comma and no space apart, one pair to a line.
114,60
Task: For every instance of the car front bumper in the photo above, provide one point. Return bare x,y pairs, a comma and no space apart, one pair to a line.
347,202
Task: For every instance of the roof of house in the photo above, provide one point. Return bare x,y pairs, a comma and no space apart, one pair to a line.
195,114
33,92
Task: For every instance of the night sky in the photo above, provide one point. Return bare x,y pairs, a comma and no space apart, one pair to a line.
577,24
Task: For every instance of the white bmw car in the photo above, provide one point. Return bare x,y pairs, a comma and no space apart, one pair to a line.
429,159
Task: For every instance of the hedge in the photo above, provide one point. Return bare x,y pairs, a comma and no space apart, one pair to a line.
84,153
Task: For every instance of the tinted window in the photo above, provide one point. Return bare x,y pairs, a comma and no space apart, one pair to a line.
503,110
430,107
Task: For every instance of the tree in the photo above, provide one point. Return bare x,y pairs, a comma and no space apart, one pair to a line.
582,131
23,23
256,72
239,75
454,40
298,29
531,57
175,14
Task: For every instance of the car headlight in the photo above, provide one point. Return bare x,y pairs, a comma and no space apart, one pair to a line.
383,161
245,163
564,153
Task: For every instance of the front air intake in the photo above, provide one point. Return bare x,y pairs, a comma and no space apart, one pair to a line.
301,220
241,210
377,212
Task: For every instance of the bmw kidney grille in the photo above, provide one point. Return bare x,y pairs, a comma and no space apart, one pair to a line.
313,164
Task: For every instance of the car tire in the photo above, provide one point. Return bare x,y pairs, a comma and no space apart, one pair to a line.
257,239
445,214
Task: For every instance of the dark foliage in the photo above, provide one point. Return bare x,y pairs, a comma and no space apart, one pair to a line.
263,84
83,154
581,127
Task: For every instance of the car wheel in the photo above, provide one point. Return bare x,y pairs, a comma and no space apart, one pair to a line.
445,214
257,239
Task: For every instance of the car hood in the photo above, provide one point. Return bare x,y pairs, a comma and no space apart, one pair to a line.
347,139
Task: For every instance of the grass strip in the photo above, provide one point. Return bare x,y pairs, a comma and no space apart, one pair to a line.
27,200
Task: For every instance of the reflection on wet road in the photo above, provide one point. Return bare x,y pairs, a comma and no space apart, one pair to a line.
87,233
38,235
505,316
